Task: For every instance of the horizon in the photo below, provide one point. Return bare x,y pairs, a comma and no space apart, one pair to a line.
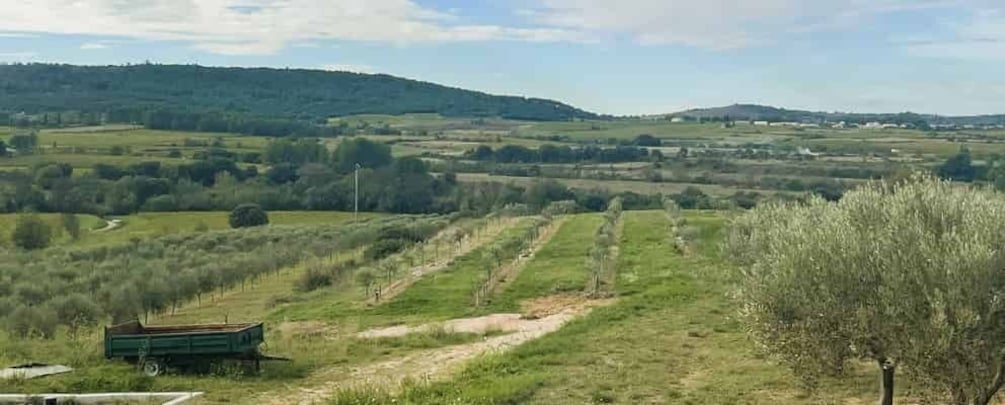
645,57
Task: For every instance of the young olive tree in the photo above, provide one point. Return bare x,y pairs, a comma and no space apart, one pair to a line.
908,275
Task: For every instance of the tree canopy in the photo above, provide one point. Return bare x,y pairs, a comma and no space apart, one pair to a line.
158,93
908,275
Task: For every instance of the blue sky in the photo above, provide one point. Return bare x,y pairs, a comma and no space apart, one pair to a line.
608,56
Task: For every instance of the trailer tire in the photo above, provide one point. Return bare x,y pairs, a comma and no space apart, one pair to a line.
153,367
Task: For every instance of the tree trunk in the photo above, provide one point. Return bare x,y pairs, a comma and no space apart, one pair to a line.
886,385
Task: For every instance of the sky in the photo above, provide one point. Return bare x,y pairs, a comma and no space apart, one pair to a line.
622,57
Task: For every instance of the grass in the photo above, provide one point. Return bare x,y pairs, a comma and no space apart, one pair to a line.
669,339
247,304
559,266
641,187
152,224
440,295
55,222
446,294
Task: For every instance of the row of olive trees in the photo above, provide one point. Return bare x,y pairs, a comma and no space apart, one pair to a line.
153,276
374,276
502,250
675,225
601,258
909,276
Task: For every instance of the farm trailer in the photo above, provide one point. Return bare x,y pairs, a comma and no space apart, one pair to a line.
155,348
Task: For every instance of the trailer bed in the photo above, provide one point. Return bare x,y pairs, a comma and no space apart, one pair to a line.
133,340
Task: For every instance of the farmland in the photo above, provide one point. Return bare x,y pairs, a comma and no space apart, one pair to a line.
671,309
482,269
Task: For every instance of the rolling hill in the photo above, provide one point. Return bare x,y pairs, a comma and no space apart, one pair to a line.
769,113
307,95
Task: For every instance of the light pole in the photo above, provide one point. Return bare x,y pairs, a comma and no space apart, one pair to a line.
355,209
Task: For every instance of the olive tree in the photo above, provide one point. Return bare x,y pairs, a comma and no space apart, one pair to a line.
247,215
909,276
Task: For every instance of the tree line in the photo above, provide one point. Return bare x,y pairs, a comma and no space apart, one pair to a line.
563,154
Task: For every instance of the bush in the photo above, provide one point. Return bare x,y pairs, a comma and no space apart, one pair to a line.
31,233
72,225
314,279
385,248
33,321
247,215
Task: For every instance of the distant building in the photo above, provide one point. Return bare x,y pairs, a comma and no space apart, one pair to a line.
762,123
873,125
677,119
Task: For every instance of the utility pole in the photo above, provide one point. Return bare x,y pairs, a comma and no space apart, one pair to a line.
355,210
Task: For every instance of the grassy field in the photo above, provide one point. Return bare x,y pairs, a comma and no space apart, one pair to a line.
87,224
152,224
642,187
670,336
669,339
559,267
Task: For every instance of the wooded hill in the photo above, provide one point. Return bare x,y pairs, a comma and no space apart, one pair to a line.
127,92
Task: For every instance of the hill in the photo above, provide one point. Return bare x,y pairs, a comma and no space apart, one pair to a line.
756,112
307,95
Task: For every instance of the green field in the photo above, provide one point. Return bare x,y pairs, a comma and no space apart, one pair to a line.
153,224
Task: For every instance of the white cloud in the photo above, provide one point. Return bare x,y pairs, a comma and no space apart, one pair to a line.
93,46
717,24
15,35
349,67
257,26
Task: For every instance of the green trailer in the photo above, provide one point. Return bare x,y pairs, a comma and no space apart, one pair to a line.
155,348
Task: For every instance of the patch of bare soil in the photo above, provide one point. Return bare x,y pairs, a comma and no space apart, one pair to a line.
438,363
561,303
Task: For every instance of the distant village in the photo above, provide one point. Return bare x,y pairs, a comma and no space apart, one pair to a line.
840,124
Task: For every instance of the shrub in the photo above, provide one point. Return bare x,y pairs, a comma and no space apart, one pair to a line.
72,225
31,233
314,279
384,248
248,215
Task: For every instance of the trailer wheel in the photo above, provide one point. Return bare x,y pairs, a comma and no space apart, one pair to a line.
153,367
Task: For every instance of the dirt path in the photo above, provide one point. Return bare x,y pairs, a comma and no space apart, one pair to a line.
110,225
434,363
488,233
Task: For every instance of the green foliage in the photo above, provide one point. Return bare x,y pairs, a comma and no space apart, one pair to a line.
361,151
906,275
147,93
32,321
600,261
71,223
25,143
958,167
157,274
385,248
31,233
248,215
